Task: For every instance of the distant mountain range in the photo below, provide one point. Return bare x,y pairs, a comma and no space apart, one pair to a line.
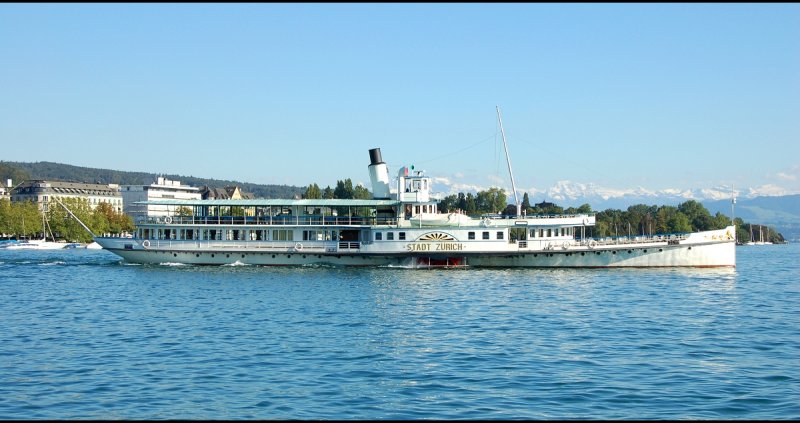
782,212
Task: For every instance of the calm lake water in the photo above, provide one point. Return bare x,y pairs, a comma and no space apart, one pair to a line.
84,335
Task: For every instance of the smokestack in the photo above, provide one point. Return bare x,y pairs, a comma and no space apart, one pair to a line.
375,156
378,175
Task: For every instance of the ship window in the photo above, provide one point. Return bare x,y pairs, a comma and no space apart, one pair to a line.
499,235
378,236
470,235
390,236
401,236
485,235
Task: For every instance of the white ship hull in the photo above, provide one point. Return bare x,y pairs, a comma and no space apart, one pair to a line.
702,249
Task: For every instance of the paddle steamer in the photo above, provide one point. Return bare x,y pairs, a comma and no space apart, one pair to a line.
400,226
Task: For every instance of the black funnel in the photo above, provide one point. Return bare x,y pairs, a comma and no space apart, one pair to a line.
375,156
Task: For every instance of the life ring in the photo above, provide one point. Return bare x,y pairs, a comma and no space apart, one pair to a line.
146,243
592,244
168,219
728,234
298,246
486,222
565,245
585,220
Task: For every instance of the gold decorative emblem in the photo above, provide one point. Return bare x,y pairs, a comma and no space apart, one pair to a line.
436,236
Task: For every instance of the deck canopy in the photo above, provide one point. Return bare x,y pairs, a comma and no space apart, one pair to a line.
278,211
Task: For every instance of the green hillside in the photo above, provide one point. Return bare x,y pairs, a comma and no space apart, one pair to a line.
20,171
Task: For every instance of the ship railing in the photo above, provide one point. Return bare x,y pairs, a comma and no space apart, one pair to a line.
245,246
633,240
271,220
349,245
495,216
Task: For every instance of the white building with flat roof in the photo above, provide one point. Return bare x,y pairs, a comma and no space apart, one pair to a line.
162,189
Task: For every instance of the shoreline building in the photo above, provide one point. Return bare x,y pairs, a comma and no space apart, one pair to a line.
5,191
227,193
161,189
42,191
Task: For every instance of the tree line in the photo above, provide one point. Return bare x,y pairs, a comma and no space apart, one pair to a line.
23,219
636,220
22,171
344,189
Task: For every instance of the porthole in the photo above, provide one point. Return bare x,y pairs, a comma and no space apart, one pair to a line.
613,252
583,254
660,250
197,255
227,255
273,256
644,251
174,255
630,251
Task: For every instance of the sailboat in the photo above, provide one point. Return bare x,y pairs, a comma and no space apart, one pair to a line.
760,236
38,244
751,237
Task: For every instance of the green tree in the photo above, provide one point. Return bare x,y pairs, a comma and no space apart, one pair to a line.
20,218
109,220
492,200
448,204
344,189
698,216
313,192
16,174
361,192
469,204
5,217
65,227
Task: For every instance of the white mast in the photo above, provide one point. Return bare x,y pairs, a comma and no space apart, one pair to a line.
508,160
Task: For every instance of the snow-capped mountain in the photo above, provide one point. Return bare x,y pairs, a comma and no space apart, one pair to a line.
568,193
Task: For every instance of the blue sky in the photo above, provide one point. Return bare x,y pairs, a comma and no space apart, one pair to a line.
659,96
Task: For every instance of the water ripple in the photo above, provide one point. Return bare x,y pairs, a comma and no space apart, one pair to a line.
85,335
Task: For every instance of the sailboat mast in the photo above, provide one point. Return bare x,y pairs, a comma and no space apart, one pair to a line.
508,160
